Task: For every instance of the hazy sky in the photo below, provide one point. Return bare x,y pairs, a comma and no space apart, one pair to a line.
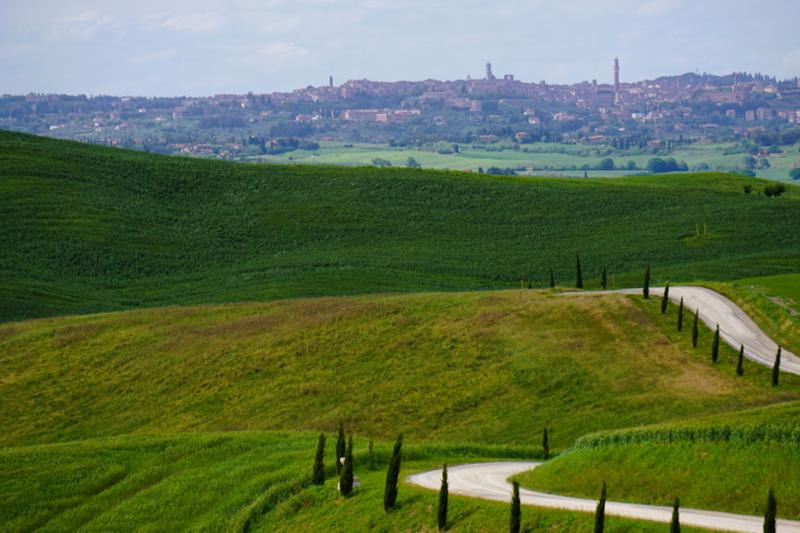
203,47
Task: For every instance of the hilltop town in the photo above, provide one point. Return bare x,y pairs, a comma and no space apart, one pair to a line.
643,115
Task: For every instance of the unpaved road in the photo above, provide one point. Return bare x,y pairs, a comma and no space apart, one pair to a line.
489,481
735,327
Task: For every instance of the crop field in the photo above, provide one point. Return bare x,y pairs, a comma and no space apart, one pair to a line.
725,462
538,156
91,229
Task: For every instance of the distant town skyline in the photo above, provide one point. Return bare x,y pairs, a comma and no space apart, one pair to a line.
204,48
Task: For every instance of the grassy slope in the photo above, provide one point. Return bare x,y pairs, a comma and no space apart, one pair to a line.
490,367
236,482
655,464
89,229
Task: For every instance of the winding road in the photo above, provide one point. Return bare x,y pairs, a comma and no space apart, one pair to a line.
489,481
735,327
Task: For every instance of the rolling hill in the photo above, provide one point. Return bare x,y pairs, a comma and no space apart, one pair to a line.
90,229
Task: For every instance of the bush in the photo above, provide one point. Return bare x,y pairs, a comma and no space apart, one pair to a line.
795,173
516,510
776,189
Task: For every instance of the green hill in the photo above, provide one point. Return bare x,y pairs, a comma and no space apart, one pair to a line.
486,367
90,229
726,462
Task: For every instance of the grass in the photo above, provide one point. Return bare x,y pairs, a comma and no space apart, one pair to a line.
491,367
724,462
90,229
238,482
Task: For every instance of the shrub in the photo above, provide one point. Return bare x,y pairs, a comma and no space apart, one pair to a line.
346,478
340,448
665,299
600,513
776,189
680,316
578,272
545,445
675,525
695,330
776,368
646,285
740,362
441,515
771,514
715,346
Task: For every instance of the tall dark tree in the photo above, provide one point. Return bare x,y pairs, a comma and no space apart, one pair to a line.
318,476
578,272
346,477
665,299
516,510
341,444
604,279
600,513
552,280
545,445
740,362
441,516
695,326
715,346
675,525
392,475
646,286
771,514
776,368
680,316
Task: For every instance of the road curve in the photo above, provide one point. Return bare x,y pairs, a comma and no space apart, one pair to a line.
735,327
489,481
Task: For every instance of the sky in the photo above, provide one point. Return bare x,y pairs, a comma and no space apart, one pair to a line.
202,47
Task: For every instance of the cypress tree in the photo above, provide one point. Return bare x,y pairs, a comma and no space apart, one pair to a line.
715,346
695,331
604,279
516,510
346,478
340,449
318,476
392,474
675,526
545,445
600,513
578,272
665,299
771,514
776,368
680,316
740,362
646,287
441,516
552,280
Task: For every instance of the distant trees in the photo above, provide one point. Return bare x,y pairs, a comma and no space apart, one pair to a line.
776,368
340,449
675,525
658,165
715,346
665,299
441,515
412,163
680,316
318,475
516,510
695,327
600,512
776,189
771,514
646,285
748,188
380,162
545,445
578,272
392,474
795,173
346,477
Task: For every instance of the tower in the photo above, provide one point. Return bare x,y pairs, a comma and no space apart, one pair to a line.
330,82
489,75
616,80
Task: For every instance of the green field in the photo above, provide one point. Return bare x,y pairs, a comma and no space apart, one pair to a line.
725,462
92,229
538,156
175,332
